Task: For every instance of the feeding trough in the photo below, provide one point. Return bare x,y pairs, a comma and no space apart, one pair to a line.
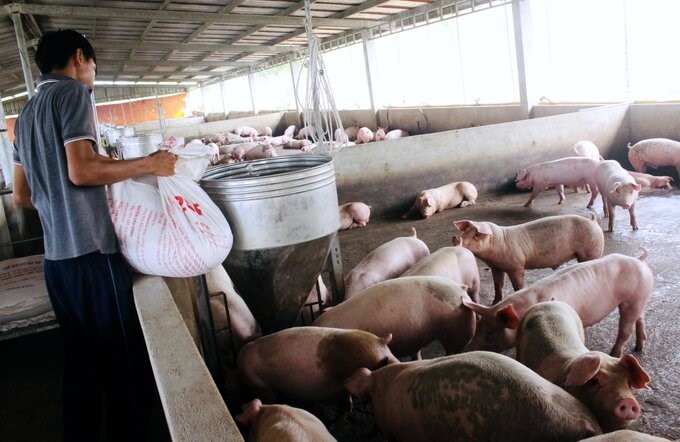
283,212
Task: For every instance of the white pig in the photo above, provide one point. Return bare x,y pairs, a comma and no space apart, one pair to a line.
306,132
587,149
395,134
568,171
654,152
282,423
478,396
618,188
550,342
385,262
592,288
416,309
455,263
260,151
353,215
290,131
543,243
303,145
246,131
380,133
364,135
652,181
430,201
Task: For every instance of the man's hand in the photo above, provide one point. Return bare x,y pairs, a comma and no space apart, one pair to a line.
162,163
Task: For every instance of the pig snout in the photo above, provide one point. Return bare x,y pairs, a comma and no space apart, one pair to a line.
627,409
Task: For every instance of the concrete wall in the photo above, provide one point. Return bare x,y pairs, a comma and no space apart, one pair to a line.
654,121
388,175
259,122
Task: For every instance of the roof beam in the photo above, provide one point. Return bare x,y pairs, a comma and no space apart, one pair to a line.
183,47
176,16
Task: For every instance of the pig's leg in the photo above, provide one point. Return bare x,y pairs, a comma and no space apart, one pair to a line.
498,280
517,279
534,193
594,193
587,188
640,334
626,327
610,209
465,203
633,221
560,192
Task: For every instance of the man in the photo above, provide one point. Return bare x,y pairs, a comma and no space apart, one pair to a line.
107,378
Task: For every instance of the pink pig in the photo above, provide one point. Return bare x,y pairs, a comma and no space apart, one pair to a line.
306,132
415,309
618,188
395,134
592,288
654,152
430,201
353,215
545,242
569,171
550,342
385,262
364,135
587,149
246,131
260,151
282,423
478,396
455,263
290,131
380,133
652,181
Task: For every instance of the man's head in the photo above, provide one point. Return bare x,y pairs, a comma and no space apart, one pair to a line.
56,49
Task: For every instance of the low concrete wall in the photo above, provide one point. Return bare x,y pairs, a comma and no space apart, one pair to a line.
259,122
193,406
389,175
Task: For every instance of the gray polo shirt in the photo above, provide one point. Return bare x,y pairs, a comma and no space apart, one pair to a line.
75,219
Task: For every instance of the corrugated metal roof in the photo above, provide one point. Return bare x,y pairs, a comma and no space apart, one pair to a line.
182,40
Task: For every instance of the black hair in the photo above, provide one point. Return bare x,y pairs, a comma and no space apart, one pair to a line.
56,47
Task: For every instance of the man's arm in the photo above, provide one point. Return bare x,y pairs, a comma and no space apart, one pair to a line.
88,168
21,192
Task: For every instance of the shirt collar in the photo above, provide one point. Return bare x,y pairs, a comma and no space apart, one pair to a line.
53,78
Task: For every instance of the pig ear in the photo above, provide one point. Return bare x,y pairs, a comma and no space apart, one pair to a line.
582,369
430,201
638,376
359,382
250,411
637,187
480,309
386,340
616,187
462,225
670,180
482,228
508,317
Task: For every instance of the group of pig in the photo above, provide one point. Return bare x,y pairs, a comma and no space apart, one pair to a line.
363,135
617,186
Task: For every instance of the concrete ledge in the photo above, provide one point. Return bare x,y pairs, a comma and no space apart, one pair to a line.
193,407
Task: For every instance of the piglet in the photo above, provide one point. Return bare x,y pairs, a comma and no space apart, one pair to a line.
395,134
260,151
310,363
550,342
303,145
592,288
569,171
587,149
380,133
626,436
290,131
385,262
455,263
430,201
652,181
353,215
543,243
478,396
654,152
246,131
306,132
364,135
416,309
618,188
282,423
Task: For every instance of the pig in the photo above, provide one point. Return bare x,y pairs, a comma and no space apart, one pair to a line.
550,342
430,201
218,138
349,134
592,288
239,151
277,141
352,132
543,243
417,310
478,396
290,131
306,132
625,436
340,136
240,327
282,423
353,215
654,152
380,133
455,263
385,262
232,138
303,145
310,363
268,131
311,308
395,134
587,149
651,181
246,131
568,171
260,151
364,135
618,188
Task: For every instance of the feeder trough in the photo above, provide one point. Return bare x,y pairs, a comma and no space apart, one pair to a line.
283,212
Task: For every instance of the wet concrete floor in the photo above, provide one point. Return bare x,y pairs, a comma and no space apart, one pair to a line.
658,215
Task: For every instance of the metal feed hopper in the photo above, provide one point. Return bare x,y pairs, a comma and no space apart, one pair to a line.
283,212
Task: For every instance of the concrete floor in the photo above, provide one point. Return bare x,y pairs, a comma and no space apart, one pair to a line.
658,213
30,367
